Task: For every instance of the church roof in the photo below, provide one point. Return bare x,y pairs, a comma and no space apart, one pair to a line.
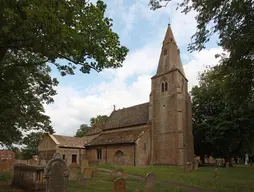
126,117
67,141
117,137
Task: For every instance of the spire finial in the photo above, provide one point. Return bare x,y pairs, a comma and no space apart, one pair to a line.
169,21
114,107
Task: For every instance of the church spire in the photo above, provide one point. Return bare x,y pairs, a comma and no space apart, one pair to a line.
170,55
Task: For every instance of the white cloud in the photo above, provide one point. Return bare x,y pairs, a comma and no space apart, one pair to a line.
199,62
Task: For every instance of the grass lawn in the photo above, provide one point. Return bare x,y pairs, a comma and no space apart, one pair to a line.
100,183
229,179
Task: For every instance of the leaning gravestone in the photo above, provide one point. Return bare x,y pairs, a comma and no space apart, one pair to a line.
56,175
195,164
150,182
119,185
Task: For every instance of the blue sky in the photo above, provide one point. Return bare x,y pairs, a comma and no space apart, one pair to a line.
83,96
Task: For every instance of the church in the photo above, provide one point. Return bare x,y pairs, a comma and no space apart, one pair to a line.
158,132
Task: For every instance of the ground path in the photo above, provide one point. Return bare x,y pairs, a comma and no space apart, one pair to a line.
165,183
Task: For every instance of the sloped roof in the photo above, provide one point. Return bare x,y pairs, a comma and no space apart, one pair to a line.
67,141
107,138
134,115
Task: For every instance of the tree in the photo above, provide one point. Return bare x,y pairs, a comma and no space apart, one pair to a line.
99,119
222,124
233,22
31,141
36,35
82,131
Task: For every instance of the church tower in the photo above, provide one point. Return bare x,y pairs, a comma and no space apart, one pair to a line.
170,109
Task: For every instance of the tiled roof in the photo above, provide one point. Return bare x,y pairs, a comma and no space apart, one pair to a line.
5,152
135,115
67,141
107,138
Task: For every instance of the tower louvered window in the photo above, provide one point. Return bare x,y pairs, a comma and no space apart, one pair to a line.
166,86
162,87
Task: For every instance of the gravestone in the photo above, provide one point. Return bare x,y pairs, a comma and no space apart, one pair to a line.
125,175
150,182
195,164
73,171
227,164
88,173
188,167
119,185
84,164
216,172
56,175
113,175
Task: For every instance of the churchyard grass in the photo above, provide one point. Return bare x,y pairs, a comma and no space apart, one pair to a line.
229,179
100,183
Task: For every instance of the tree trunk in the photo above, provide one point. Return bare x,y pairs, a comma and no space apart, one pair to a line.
2,53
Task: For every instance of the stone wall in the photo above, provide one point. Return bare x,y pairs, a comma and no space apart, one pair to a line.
143,149
69,152
112,154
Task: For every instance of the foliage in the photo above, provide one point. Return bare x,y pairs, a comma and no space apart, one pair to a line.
222,124
82,131
31,141
37,34
99,119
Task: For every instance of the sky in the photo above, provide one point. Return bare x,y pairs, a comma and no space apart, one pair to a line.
142,31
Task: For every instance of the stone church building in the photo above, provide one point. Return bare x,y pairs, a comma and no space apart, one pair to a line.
158,132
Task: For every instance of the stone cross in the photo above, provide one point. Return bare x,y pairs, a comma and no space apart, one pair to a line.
56,175
119,185
150,182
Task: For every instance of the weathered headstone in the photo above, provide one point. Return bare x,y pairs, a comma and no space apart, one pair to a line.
73,171
195,164
84,164
216,172
88,173
150,182
188,167
125,175
227,164
56,175
113,175
119,185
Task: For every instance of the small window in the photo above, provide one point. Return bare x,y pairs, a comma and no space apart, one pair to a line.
99,154
63,157
74,159
162,87
166,86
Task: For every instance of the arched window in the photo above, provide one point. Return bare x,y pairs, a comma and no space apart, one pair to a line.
166,86
162,86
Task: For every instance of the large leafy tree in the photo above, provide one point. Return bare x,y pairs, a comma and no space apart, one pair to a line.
222,124
37,34
31,142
